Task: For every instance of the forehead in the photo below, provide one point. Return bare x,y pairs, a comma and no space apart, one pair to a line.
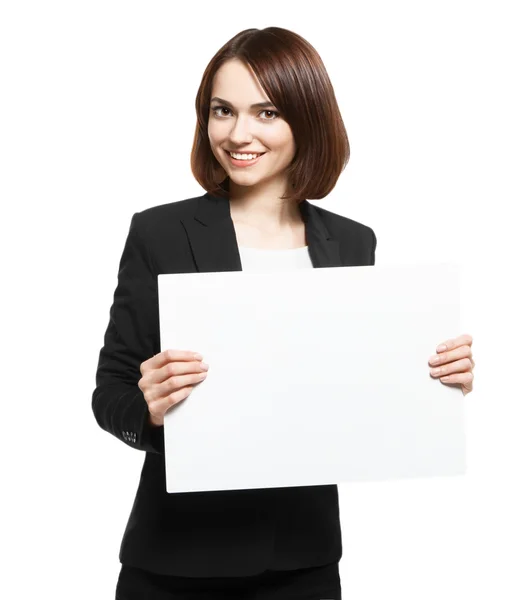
234,81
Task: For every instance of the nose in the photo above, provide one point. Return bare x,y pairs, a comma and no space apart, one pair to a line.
240,134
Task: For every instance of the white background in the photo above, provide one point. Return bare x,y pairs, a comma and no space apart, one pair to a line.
97,120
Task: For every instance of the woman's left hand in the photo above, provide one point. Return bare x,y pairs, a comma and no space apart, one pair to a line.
453,362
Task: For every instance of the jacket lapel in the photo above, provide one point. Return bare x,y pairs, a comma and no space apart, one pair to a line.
214,245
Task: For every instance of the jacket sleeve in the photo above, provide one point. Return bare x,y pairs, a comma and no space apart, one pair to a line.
131,337
374,243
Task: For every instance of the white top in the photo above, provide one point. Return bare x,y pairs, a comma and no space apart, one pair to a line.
268,259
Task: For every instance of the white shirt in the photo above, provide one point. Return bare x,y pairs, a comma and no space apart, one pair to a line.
268,259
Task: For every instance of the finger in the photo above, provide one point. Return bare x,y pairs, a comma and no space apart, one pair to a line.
169,355
159,407
458,366
455,343
177,382
173,369
462,378
447,357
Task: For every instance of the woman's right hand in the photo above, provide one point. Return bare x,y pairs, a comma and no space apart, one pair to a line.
168,378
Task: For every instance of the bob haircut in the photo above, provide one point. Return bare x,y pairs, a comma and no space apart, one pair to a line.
294,78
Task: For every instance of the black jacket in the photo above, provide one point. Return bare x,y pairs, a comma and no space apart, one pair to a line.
207,534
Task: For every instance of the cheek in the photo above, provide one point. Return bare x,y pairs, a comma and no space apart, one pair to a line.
217,129
213,135
280,139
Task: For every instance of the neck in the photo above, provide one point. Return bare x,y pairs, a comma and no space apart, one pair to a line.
263,207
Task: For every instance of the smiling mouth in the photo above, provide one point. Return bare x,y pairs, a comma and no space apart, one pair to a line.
255,154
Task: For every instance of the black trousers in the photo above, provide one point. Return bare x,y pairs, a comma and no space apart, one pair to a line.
316,583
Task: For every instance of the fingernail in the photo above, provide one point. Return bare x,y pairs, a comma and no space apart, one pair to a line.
204,366
198,356
441,348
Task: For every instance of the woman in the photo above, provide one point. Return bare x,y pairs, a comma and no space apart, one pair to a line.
269,135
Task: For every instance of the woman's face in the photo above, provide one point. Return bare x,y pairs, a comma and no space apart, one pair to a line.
238,126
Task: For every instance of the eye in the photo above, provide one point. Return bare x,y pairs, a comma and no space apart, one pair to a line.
215,110
272,112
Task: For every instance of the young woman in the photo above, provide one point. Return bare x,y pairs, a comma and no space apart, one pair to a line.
269,135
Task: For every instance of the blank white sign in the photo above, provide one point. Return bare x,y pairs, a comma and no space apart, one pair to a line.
316,376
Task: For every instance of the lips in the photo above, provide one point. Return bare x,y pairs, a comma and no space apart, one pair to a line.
237,162
235,152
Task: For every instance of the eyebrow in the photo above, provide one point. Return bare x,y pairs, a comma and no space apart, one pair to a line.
257,105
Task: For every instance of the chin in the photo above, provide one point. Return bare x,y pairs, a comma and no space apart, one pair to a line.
247,177
244,183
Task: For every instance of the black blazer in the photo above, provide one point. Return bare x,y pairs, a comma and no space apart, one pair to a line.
207,534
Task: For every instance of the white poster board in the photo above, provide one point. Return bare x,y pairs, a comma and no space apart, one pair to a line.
316,376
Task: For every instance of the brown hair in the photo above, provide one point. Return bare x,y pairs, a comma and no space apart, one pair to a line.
294,78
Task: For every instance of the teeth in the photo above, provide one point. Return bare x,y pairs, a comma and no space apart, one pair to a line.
243,156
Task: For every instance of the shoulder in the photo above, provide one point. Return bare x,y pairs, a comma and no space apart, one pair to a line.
155,218
341,227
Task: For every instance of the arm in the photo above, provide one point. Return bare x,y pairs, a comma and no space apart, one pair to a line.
131,337
374,243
